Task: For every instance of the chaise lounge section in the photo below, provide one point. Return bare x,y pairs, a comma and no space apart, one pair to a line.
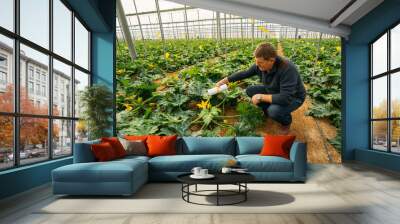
125,176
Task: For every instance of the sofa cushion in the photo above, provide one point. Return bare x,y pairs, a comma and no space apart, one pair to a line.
277,145
134,147
249,145
103,152
208,145
185,163
112,171
257,163
116,145
161,145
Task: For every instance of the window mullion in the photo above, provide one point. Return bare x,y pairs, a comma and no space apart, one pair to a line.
50,82
16,84
389,94
73,82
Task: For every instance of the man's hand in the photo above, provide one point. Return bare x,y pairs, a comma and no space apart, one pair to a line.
258,98
221,82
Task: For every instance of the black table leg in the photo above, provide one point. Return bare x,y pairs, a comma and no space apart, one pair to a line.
182,190
188,190
217,194
245,193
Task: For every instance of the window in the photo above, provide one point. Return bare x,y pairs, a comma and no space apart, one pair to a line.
37,74
395,47
35,21
81,81
54,126
30,72
62,74
6,74
38,89
7,14
3,72
6,142
385,95
33,148
3,78
3,61
30,87
81,45
62,29
44,91
55,101
62,137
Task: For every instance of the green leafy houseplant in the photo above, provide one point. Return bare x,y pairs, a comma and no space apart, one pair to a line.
96,102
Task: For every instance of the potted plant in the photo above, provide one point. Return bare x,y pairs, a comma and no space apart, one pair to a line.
96,102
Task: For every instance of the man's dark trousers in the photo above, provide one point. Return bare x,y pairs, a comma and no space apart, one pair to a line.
277,112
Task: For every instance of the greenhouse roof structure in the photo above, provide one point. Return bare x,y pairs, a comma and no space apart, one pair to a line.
178,19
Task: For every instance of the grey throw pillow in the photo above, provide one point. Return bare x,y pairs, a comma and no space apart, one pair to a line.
137,147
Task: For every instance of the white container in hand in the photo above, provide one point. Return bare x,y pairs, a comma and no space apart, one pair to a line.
216,90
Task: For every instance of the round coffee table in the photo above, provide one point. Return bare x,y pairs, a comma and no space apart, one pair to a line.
238,179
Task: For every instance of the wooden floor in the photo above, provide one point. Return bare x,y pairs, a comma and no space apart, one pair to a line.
377,188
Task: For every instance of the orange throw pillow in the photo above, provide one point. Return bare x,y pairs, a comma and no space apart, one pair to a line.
161,145
277,145
136,137
103,152
116,145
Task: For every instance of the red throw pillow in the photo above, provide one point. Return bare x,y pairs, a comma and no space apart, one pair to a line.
277,145
161,145
116,145
103,152
136,137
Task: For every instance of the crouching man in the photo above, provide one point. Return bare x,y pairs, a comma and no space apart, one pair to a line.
281,90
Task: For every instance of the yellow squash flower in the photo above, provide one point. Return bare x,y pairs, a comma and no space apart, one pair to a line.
338,48
128,107
120,71
204,105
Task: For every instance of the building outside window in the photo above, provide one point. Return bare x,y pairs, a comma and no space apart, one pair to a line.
35,72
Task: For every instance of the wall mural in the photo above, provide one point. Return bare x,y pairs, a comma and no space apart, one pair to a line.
165,91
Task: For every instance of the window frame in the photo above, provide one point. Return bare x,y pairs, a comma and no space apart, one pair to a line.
388,74
16,114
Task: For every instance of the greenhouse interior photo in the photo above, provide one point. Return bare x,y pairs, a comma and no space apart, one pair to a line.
199,111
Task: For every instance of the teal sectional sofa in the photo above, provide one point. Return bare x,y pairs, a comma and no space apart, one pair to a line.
125,176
